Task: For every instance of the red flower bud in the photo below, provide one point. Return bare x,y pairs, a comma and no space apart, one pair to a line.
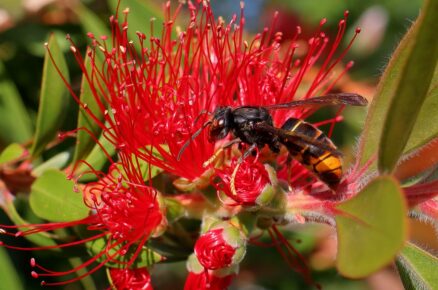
130,279
248,183
213,251
222,246
200,278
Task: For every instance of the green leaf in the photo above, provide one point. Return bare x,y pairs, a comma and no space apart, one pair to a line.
15,125
90,22
97,159
417,268
58,161
426,125
371,228
411,90
174,209
144,167
140,15
85,142
12,153
85,279
8,275
145,258
53,198
41,239
385,92
53,98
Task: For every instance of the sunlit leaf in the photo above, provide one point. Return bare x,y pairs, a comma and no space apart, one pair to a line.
11,153
371,228
417,268
86,122
58,161
412,87
8,274
53,198
15,125
53,98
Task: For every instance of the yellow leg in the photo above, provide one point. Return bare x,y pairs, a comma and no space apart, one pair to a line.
233,177
213,158
218,152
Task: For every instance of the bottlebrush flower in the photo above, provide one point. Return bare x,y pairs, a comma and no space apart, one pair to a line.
222,246
158,97
124,214
249,183
130,279
154,100
200,278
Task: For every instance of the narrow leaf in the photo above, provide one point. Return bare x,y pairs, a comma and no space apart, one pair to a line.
97,159
380,105
90,22
417,268
8,275
53,98
426,125
174,210
16,126
53,198
142,14
147,170
86,123
412,88
371,228
12,153
145,258
40,239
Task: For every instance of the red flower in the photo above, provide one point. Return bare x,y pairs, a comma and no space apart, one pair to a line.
130,279
249,183
129,211
159,97
125,213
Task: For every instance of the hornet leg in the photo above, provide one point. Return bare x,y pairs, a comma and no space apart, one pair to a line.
219,151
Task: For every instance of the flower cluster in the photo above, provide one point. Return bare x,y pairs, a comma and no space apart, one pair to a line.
155,98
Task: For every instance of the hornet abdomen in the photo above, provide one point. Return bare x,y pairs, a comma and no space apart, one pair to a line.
322,162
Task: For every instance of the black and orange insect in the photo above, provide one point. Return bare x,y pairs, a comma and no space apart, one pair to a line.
307,144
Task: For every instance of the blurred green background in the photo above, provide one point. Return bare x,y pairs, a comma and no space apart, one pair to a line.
24,28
